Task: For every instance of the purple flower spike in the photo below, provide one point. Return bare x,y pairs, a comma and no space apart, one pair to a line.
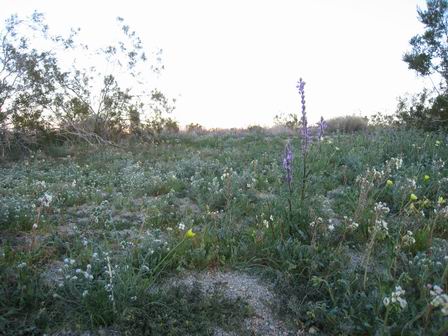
306,137
287,163
322,124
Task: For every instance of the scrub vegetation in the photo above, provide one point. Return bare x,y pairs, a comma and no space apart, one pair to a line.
115,222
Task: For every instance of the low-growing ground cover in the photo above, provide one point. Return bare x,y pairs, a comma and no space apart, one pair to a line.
91,239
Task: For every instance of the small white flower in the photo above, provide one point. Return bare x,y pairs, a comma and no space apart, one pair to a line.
437,290
386,301
402,302
85,293
266,223
21,265
35,226
181,226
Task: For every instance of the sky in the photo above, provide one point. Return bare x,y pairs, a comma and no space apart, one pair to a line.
235,63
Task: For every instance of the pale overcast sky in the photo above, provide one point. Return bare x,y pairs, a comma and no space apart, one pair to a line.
236,62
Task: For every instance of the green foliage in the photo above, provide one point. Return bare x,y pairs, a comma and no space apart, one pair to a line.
44,100
290,121
347,124
195,128
427,57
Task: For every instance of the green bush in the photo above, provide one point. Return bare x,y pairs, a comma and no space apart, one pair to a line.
347,124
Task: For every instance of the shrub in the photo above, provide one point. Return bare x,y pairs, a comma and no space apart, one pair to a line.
194,128
347,124
423,111
256,129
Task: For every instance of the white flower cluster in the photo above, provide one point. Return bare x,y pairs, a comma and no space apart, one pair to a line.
181,226
267,223
46,200
21,265
317,222
332,222
439,299
443,212
408,185
68,263
381,210
370,177
214,187
227,173
252,183
87,273
126,244
396,298
393,164
438,164
408,239
350,223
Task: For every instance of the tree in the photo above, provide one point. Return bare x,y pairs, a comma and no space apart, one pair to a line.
104,92
55,85
428,57
26,76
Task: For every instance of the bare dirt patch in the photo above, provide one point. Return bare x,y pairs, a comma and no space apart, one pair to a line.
249,288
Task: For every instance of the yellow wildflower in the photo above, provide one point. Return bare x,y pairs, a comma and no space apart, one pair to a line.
190,233
413,197
441,200
426,178
389,183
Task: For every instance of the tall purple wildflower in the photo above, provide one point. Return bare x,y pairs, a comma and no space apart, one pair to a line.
305,132
306,137
287,163
322,124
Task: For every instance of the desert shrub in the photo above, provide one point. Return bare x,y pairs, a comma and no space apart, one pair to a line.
256,129
290,121
347,124
423,111
171,126
195,128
